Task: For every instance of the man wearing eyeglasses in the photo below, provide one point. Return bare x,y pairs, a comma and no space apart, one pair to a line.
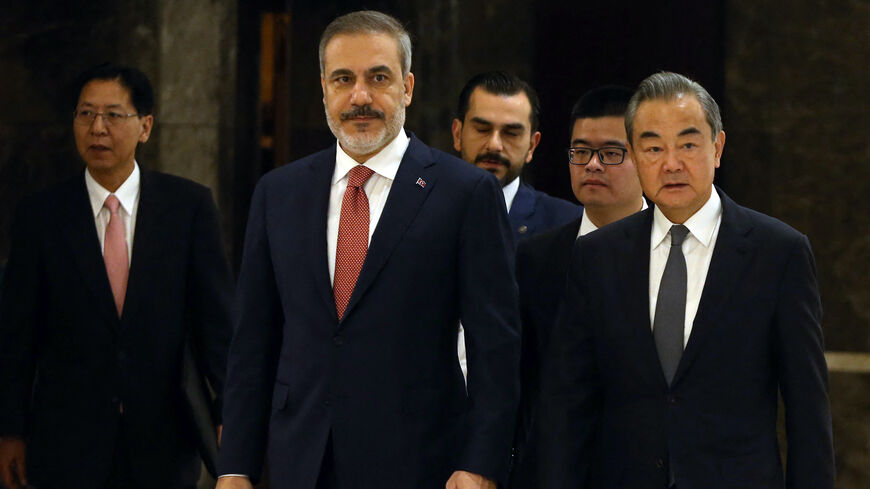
109,275
605,181
496,128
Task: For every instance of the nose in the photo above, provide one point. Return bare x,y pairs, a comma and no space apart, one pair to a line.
595,164
673,163
494,143
98,126
360,95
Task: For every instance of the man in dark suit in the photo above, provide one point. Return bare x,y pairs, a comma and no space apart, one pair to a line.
496,128
109,274
359,262
682,324
605,181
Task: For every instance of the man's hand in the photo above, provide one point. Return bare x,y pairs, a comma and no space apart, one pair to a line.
233,482
12,456
466,480
220,431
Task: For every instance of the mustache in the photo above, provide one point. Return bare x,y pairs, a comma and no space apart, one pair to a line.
493,157
362,111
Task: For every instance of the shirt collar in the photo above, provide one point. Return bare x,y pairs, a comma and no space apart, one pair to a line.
126,193
510,191
587,226
701,225
385,163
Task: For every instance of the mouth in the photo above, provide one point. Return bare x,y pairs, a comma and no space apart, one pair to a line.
592,182
674,186
99,148
362,114
492,160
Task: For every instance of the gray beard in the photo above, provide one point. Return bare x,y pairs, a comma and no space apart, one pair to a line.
367,143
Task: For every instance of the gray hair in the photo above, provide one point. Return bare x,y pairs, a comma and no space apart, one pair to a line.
369,21
668,86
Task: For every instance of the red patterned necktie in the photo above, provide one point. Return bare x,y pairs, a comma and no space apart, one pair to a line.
115,253
353,237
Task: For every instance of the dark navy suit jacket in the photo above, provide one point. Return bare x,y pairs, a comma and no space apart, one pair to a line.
67,361
534,212
609,419
384,382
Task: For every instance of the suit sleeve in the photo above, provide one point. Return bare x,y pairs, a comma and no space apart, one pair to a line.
210,295
803,374
19,321
570,403
253,356
490,316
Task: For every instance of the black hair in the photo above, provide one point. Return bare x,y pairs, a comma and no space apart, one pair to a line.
136,82
606,101
500,83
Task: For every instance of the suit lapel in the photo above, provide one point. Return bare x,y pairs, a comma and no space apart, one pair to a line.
634,278
521,210
731,255
404,201
80,231
321,172
146,241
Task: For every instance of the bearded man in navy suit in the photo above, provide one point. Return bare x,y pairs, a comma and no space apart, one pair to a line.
359,263
682,325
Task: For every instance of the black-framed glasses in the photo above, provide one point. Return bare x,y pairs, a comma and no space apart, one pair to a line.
86,117
607,155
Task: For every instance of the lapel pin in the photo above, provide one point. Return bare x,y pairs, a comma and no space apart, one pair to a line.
421,182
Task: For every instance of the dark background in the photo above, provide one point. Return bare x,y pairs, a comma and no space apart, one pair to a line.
238,94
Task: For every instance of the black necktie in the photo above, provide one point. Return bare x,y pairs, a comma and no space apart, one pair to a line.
670,318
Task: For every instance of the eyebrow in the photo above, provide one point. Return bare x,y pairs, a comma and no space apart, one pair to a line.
689,130
110,106
515,126
611,142
379,69
340,72
649,134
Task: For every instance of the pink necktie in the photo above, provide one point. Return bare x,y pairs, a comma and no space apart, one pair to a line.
115,253
353,237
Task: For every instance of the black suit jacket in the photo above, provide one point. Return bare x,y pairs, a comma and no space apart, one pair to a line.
542,267
67,362
534,212
385,382
612,420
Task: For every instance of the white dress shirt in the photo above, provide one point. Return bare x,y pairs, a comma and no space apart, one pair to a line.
510,191
385,164
587,226
697,248
128,196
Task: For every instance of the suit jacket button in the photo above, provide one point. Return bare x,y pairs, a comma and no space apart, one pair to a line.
672,400
660,463
337,340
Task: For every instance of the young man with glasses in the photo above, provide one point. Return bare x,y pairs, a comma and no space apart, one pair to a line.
604,179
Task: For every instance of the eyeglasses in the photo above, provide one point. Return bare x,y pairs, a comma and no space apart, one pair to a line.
608,155
87,117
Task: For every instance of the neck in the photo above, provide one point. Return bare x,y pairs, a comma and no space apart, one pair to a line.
606,214
112,179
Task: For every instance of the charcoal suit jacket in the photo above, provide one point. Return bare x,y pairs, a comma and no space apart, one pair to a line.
608,418
385,382
68,362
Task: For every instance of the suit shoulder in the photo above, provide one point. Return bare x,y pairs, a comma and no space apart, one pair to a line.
174,182
768,230
457,168
556,204
540,243
285,173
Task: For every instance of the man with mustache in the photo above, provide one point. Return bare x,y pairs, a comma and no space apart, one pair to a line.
682,326
359,263
496,128
605,182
